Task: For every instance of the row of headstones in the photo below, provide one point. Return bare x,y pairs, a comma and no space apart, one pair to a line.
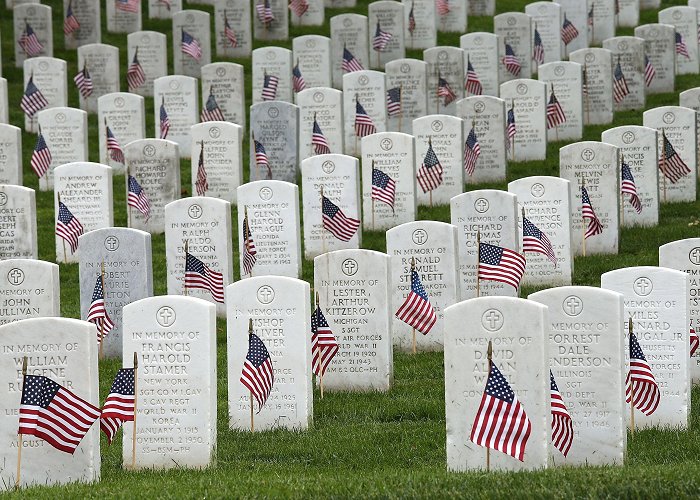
577,332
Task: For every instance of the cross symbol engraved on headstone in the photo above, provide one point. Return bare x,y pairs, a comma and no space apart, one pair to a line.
643,286
588,154
165,316
573,306
195,211
3,199
420,236
15,276
265,294
349,267
492,320
111,243
694,256
537,190
481,205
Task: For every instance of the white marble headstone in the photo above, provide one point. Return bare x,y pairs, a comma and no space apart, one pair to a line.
159,9
37,18
276,62
238,15
150,49
447,63
628,51
660,48
597,74
30,289
124,114
411,77
516,30
195,23
528,99
65,133
348,31
102,63
223,158
576,13
565,79
547,18
122,21
313,55
487,114
278,28
368,88
481,51
226,82
49,76
275,125
10,154
326,106
387,16
424,34
178,95
18,233
685,21
87,12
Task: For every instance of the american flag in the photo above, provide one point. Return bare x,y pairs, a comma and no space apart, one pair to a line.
119,405
167,3
201,185
298,7
261,158
29,42
429,175
628,186
442,7
132,6
190,46
264,11
298,82
590,16
671,164
83,81
587,212
568,31
641,381
135,75
269,89
323,344
511,61
562,424
393,101
229,33
538,51
197,275
555,113
70,22
501,422
411,21
257,375
98,311
417,311
249,251
681,47
41,156
350,63
68,226
336,222
620,89
54,414
472,150
319,141
510,126
584,81
164,121
472,83
444,90
500,264
649,71
212,112
694,341
381,39
138,198
364,125
383,187
534,240
617,7
113,147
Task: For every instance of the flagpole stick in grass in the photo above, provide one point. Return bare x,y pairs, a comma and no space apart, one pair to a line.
355,127
512,142
128,207
489,356
410,277
583,221
372,201
587,95
323,231
430,193
245,219
556,127
136,397
101,325
320,377
622,196
187,248
182,54
225,40
252,417
437,93
106,162
401,98
65,254
630,333
46,175
19,436
478,261
663,159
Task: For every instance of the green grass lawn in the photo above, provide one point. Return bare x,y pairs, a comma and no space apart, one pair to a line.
369,444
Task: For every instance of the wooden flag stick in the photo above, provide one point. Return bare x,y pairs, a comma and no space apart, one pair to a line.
556,127
323,231
320,365
410,277
187,249
622,196
478,260
663,159
489,355
106,162
136,398
588,91
630,333
19,436
583,221
247,223
182,54
128,207
65,254
430,193
401,98
102,323
252,413
437,93
512,142
356,127
372,200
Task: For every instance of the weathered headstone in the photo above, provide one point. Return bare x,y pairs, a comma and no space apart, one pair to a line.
31,18
191,42
444,134
365,89
275,29
597,165
481,51
275,126
517,329
30,289
4,107
18,234
586,357
174,339
353,288
223,159
678,124
639,150
325,106
515,30
656,298
577,14
565,80
226,82
597,76
421,33
339,178
660,48
87,13
411,78
85,188
685,21
546,202
446,63
314,15
272,74
123,113
123,20
65,133
280,310
102,63
454,20
492,214
628,15
124,255
628,52
385,16
433,246
482,7
487,115
392,154
602,24
150,50
528,99
548,18
348,32
65,351
312,54
273,219
691,99
238,16
162,9
10,154
175,98
49,76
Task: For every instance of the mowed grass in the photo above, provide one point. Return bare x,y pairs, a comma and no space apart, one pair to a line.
386,445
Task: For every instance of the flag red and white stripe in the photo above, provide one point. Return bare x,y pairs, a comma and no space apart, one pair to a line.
641,381
323,344
500,264
416,310
562,423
